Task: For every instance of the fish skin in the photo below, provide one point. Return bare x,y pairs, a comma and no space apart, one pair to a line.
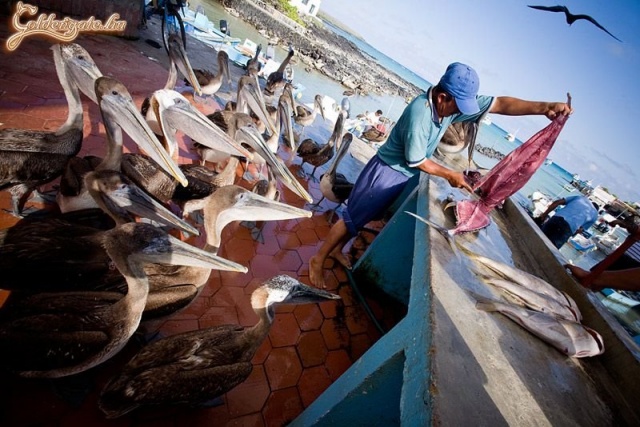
531,282
533,300
570,338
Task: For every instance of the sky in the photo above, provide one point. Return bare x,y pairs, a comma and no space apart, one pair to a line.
529,54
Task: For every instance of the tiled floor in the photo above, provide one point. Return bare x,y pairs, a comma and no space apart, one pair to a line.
308,348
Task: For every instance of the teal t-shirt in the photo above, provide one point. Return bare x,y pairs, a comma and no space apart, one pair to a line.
416,135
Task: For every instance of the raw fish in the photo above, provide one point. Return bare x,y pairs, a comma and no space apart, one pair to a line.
571,338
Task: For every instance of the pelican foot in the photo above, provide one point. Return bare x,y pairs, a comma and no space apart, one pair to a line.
248,224
73,389
301,173
316,207
46,197
257,235
212,403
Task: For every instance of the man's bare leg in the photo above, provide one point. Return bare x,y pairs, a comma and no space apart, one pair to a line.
340,257
337,237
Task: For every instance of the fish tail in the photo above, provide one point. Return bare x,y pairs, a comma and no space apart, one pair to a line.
483,303
448,235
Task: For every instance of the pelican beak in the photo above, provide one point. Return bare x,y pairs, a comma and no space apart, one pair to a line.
225,70
179,57
130,198
303,294
318,102
251,136
252,96
176,113
285,117
169,250
246,206
79,64
123,111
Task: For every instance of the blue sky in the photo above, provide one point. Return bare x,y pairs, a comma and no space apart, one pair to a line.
529,54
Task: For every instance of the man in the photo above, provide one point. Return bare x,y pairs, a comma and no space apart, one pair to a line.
408,150
578,214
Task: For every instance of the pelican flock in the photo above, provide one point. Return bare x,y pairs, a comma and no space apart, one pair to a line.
85,276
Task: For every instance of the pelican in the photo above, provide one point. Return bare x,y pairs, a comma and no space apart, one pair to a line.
67,249
118,112
251,136
60,334
301,115
174,287
282,116
175,112
333,185
316,155
249,100
197,366
31,158
276,79
178,61
253,65
209,82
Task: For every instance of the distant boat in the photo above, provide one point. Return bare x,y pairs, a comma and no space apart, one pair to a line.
511,136
486,120
199,26
548,162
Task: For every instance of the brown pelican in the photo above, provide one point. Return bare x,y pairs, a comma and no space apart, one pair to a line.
30,158
283,116
174,287
251,136
333,185
78,260
178,61
209,82
276,80
118,112
175,112
316,155
197,366
253,65
301,115
249,101
59,334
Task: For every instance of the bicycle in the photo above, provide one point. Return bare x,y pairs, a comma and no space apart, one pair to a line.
172,22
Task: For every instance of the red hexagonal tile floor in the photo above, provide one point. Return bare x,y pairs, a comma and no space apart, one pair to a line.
308,347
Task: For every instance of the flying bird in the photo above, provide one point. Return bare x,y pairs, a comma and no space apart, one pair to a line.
571,18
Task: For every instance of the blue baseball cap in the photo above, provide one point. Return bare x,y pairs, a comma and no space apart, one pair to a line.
462,82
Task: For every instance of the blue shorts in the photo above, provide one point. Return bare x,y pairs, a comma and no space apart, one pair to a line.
376,188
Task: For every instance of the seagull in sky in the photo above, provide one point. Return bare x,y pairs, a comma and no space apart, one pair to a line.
571,18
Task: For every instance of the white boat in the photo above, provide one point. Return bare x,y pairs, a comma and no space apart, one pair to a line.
511,136
548,162
199,26
540,202
486,120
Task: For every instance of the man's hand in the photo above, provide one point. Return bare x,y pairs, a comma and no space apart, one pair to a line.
555,108
456,179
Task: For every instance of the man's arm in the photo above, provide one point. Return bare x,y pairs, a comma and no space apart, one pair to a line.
510,106
552,206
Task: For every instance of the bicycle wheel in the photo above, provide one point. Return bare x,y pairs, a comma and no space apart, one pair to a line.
171,22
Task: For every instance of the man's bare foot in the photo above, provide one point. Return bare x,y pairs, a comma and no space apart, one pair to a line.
341,258
315,272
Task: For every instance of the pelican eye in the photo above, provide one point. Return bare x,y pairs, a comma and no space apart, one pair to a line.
80,57
113,92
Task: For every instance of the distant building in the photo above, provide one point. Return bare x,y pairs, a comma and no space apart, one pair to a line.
306,7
